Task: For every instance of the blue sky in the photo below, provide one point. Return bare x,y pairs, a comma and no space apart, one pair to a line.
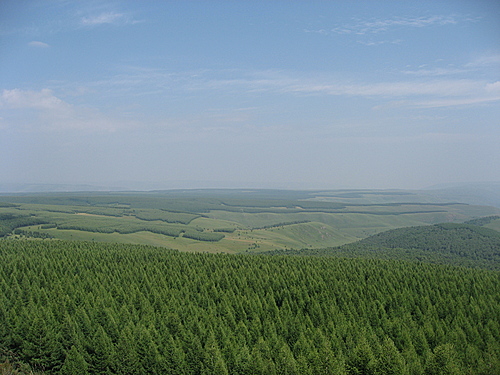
270,94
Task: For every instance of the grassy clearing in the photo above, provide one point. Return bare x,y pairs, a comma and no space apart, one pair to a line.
494,225
142,238
294,236
304,235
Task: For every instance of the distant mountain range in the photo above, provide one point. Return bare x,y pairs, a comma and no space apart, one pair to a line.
485,194
7,188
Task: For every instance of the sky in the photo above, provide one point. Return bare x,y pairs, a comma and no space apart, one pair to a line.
250,94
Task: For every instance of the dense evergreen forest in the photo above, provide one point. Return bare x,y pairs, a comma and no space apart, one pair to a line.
88,308
448,243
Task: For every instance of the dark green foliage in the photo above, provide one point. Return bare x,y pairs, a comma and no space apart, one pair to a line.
166,216
75,363
165,229
32,234
448,243
11,364
225,230
78,307
7,205
203,236
389,361
48,226
9,222
462,243
277,225
447,237
444,361
172,230
483,220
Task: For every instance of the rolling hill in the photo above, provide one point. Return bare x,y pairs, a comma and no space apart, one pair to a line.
449,243
229,221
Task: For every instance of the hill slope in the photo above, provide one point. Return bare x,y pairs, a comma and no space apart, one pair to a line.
462,239
450,243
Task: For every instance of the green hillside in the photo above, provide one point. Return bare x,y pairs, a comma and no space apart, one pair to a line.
88,308
492,222
450,243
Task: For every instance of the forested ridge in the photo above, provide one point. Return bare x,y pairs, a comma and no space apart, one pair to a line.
450,237
448,243
82,307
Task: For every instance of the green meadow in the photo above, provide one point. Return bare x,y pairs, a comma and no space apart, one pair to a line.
231,221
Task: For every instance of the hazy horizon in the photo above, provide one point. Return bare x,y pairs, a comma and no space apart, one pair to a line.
249,94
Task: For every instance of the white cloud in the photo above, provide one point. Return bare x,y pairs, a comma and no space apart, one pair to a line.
386,89
426,86
479,64
436,71
362,27
455,102
493,87
428,137
43,99
484,61
53,114
111,18
38,44
426,93
380,42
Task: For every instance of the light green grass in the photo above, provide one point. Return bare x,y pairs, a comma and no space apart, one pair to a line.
293,236
495,224
142,237
211,223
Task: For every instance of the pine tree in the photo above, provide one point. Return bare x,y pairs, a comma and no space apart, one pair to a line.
263,363
213,362
304,353
39,342
361,362
126,359
174,359
390,361
75,363
285,362
147,351
244,362
103,352
443,361
326,362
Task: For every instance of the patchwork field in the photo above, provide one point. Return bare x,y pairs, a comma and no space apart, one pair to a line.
227,220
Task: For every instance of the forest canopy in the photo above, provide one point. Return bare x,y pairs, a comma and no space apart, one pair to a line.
82,307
